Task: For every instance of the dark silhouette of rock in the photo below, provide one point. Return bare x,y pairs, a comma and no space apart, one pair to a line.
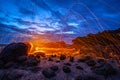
9,65
50,59
11,75
71,59
39,54
76,64
12,51
54,68
34,69
84,59
48,73
1,64
66,69
53,56
4,75
62,57
57,61
85,78
15,75
22,59
106,70
79,67
31,61
100,60
90,62
67,64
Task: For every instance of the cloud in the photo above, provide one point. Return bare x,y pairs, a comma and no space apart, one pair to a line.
23,22
26,11
46,7
3,19
9,33
41,4
60,3
32,25
16,30
49,17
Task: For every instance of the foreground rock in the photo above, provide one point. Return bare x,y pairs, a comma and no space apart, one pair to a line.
105,70
23,67
48,73
54,68
85,78
62,57
31,61
79,67
71,59
66,69
39,54
91,63
84,59
15,56
21,59
13,51
12,74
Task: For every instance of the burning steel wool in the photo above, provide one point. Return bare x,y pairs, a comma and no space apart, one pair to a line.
51,48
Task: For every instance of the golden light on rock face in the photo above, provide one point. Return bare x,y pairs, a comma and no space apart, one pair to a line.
50,48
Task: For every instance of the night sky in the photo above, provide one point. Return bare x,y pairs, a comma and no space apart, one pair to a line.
54,20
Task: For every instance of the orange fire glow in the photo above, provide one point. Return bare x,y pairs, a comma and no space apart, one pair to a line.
49,48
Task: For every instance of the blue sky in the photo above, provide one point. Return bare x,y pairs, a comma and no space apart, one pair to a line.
53,20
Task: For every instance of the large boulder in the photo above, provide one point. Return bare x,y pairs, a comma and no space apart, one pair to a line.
12,51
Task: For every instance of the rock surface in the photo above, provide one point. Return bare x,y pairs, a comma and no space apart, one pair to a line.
16,65
12,51
48,73
66,69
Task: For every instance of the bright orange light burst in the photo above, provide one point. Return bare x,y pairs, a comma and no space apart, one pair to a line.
49,48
